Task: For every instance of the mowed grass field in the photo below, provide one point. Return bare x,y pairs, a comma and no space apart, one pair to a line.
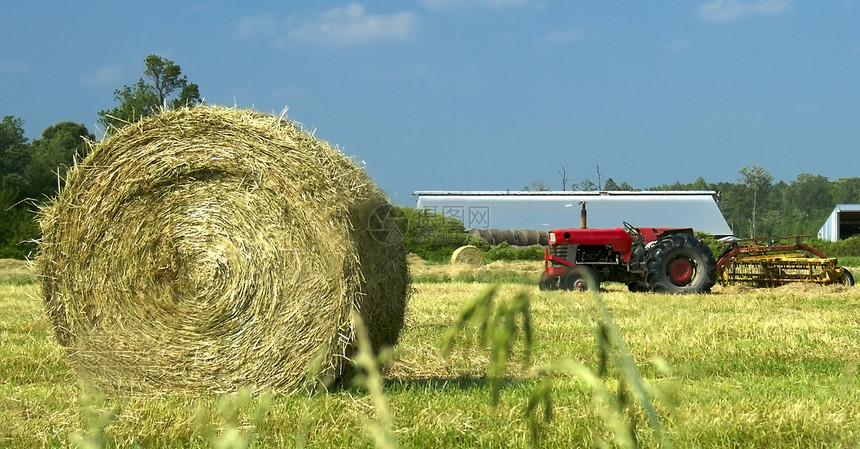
734,368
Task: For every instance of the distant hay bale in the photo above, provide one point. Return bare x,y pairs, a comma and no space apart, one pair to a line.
468,255
212,249
514,237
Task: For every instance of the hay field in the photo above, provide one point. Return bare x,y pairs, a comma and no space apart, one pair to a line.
743,368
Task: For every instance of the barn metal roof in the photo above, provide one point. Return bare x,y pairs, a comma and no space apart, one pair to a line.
567,193
546,210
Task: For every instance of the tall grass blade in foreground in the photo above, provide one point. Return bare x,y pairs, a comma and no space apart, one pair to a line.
614,407
382,429
497,327
239,415
96,417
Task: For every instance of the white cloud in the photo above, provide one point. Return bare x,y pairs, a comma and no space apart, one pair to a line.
445,4
730,10
351,25
260,24
105,76
568,36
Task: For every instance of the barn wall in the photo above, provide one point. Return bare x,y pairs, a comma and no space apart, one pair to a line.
553,210
842,223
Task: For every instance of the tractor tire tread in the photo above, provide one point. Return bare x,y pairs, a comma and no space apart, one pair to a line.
685,245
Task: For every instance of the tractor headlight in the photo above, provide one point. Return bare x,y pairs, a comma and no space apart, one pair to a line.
552,238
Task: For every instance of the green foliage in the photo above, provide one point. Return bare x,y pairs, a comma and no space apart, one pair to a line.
163,85
506,252
434,237
846,190
13,153
611,185
52,155
756,207
712,242
850,261
32,172
839,248
18,230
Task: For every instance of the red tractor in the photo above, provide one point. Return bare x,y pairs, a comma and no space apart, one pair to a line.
669,260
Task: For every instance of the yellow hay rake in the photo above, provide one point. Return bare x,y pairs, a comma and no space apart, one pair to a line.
770,263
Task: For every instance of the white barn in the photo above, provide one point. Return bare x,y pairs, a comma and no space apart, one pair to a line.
843,222
561,209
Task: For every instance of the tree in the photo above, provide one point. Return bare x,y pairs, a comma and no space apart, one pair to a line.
17,225
539,185
700,184
12,148
810,201
588,186
563,173
758,180
53,154
30,173
846,190
163,85
11,133
610,185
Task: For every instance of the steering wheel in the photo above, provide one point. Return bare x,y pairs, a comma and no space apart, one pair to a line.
632,230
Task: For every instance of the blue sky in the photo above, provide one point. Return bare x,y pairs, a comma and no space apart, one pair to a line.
480,94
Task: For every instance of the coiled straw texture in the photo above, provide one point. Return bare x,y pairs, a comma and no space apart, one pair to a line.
211,249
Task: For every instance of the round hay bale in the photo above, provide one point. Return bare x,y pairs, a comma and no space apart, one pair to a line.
212,249
479,233
468,255
521,237
486,234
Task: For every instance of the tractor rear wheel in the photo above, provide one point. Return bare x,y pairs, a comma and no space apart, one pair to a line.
847,278
580,278
680,264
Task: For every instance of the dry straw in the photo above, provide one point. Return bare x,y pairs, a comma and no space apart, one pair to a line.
513,237
213,248
468,255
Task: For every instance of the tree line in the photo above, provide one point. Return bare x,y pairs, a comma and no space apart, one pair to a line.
754,206
32,172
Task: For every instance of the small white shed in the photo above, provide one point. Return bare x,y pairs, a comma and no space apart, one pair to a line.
560,209
843,222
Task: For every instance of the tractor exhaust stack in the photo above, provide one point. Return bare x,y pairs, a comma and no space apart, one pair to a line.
583,217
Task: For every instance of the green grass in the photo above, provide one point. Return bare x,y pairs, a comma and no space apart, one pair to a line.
481,277
16,272
736,368
852,262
